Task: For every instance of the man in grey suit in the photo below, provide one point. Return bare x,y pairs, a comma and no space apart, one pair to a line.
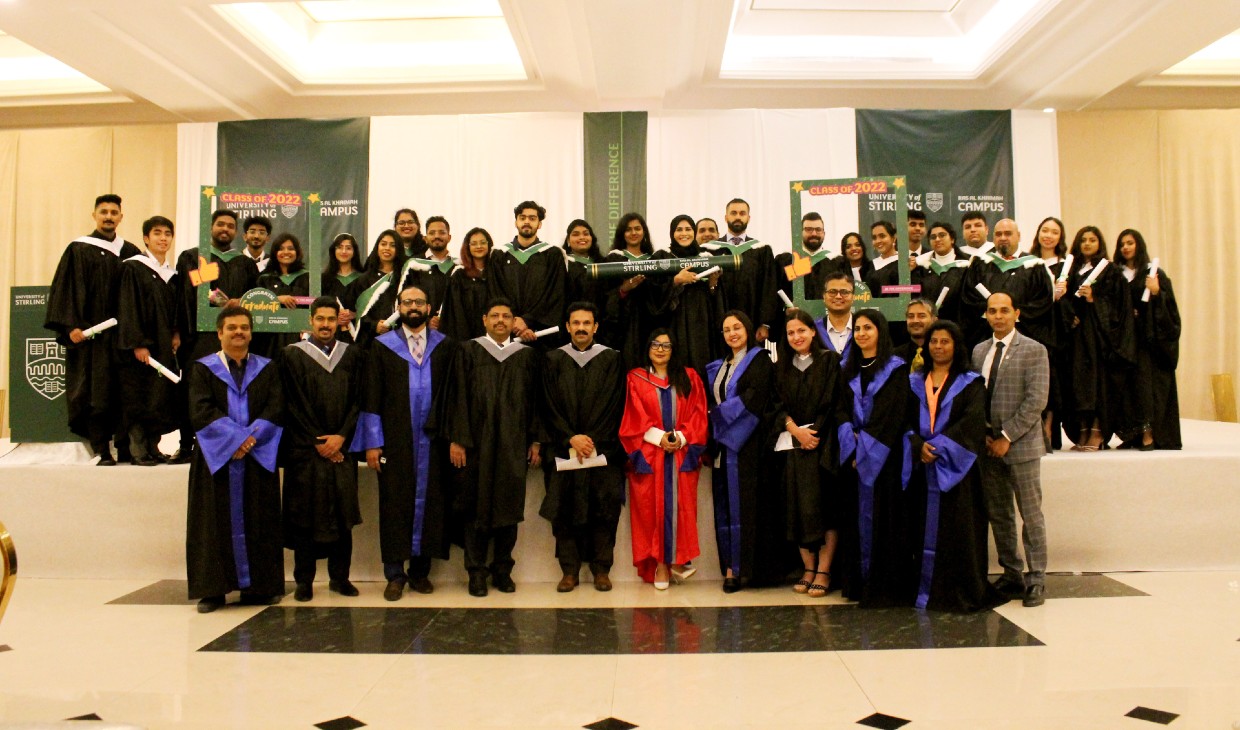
1017,376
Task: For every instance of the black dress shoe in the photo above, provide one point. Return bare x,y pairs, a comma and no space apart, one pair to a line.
1035,596
106,460
421,585
343,587
146,461
210,603
395,588
503,583
258,599
304,592
731,585
182,456
1009,587
478,585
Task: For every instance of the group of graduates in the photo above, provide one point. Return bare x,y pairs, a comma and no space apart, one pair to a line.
841,441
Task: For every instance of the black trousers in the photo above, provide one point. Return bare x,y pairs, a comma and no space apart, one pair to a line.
593,543
419,567
307,552
502,540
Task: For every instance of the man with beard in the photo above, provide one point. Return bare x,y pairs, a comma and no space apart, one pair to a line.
495,436
232,538
1022,277
400,430
813,233
433,272
256,230
530,274
752,286
584,401
707,231
919,314
322,381
147,331
409,231
83,294
237,275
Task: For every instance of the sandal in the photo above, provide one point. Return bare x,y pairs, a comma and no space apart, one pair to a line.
802,586
818,590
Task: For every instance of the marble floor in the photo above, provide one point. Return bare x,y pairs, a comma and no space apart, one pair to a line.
1126,650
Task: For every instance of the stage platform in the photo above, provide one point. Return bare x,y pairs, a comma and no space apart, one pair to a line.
1108,511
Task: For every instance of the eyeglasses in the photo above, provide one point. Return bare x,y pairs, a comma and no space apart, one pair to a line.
661,346
413,302
838,292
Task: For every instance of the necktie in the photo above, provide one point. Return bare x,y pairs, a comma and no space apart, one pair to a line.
723,382
918,360
737,240
415,348
993,376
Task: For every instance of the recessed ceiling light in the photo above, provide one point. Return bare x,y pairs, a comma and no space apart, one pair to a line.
1049,110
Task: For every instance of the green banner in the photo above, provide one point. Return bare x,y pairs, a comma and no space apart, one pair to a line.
956,162
330,156
38,409
615,169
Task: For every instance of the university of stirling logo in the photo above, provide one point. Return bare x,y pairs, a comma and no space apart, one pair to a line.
45,366
934,201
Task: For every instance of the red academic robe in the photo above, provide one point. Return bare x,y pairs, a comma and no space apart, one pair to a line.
663,504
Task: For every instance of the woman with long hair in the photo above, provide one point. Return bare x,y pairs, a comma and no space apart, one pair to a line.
873,420
1052,247
748,528
285,274
664,433
344,266
635,302
948,508
372,296
809,387
465,298
1103,352
690,302
1158,344
854,259
581,248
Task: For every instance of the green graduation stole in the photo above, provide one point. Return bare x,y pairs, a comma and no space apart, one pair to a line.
225,256
445,267
583,260
1005,266
522,255
737,249
347,279
938,268
634,257
371,295
818,257
288,279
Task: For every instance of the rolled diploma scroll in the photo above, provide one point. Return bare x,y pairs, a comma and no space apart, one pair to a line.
703,274
548,331
787,301
981,289
352,324
1093,275
106,324
1067,268
391,321
942,295
1145,295
159,368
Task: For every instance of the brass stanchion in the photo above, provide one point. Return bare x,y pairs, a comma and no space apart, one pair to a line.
8,561
1224,398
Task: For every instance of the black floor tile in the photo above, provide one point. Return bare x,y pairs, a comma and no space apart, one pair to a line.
883,722
169,593
341,723
610,723
703,630
1087,585
1151,715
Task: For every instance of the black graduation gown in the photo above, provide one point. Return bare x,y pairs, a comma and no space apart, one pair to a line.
638,312
953,563
321,396
579,287
494,414
587,399
1104,356
535,288
83,294
238,275
272,344
465,301
752,506
694,315
1158,353
814,280
414,485
1059,354
934,282
889,275
337,287
752,287
433,281
147,318
243,493
381,307
810,397
891,576
1031,290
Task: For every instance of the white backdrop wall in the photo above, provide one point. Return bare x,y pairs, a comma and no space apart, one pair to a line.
472,169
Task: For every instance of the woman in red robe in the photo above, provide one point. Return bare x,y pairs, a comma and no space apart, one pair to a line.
664,433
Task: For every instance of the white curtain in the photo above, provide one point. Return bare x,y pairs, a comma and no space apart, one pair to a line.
196,166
